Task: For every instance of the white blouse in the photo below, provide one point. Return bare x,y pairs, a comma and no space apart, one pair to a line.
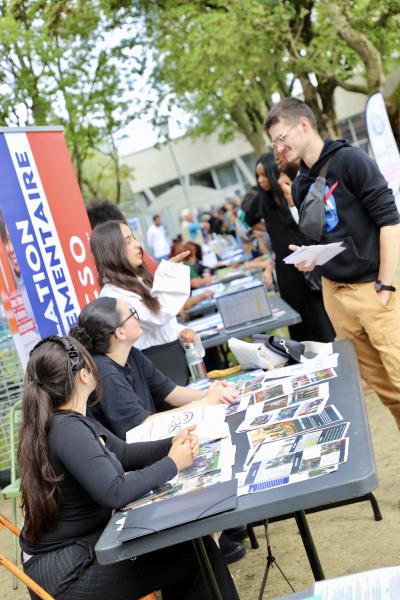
295,213
171,286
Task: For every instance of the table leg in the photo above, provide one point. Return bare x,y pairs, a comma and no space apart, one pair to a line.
309,545
206,569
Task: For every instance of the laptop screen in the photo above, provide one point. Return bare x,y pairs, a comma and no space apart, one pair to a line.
244,307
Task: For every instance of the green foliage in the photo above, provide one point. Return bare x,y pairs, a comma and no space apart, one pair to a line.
60,64
100,180
223,60
74,62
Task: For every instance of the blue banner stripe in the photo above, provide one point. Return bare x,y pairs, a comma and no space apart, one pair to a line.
34,275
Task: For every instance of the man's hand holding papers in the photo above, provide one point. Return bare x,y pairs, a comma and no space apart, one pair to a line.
306,258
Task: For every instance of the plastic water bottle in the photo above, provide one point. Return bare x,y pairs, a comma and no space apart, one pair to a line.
194,352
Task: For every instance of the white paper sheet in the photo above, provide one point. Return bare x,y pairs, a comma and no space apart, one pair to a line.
210,421
314,364
318,254
379,584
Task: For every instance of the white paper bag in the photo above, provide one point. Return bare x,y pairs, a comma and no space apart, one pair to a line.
255,355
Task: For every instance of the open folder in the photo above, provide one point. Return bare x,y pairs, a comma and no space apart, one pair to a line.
177,510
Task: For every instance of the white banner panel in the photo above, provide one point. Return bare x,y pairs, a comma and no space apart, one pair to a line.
382,142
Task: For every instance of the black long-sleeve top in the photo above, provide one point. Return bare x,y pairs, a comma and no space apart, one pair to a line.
130,393
97,477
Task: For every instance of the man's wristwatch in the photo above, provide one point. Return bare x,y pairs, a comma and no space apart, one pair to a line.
380,286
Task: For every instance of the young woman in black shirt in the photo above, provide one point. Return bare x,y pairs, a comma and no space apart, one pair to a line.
74,472
133,388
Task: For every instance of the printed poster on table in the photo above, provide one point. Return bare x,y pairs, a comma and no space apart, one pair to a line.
47,273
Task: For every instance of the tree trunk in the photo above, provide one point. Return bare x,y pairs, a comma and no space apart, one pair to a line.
326,90
251,126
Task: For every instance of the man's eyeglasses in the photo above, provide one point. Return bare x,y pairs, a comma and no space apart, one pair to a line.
281,139
134,313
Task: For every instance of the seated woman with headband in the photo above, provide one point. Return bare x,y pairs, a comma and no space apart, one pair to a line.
133,387
74,472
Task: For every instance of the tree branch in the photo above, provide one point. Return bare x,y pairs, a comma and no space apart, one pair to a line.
359,88
368,53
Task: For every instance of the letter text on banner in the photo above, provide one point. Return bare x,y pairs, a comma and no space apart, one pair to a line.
68,210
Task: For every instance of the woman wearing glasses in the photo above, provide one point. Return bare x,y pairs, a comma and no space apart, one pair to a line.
74,472
119,261
279,216
133,388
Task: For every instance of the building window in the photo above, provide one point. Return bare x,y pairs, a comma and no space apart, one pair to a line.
354,130
204,179
226,175
250,161
163,187
143,199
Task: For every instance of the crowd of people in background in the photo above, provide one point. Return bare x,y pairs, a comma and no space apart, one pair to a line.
262,223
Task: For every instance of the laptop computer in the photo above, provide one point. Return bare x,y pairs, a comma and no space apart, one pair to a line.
245,308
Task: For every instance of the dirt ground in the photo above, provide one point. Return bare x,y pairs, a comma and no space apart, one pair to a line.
348,539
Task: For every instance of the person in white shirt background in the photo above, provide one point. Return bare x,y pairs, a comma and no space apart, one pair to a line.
122,275
190,228
157,240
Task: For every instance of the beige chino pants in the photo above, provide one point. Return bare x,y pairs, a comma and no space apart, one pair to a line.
357,314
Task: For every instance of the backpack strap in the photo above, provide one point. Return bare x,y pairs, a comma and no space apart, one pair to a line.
324,169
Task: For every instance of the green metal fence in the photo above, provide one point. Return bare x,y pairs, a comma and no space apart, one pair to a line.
11,385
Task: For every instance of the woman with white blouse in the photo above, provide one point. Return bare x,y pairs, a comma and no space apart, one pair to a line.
119,261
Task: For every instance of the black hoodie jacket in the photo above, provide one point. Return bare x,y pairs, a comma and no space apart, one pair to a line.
364,204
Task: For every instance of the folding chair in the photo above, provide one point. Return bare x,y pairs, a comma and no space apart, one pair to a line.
16,571
32,585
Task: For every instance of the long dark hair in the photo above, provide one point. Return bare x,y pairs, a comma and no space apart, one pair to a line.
271,169
108,249
49,383
96,324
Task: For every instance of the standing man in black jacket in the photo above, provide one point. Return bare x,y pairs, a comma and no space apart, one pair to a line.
360,211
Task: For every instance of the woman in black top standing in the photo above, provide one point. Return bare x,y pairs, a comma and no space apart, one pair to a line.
279,218
74,472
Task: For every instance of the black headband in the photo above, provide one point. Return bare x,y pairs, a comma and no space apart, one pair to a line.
74,355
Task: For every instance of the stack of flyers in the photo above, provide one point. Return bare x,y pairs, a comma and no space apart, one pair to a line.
314,364
246,376
212,456
212,465
284,429
281,466
239,405
297,443
285,387
312,399
282,414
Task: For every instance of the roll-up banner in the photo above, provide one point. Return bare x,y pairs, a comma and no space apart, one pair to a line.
383,143
47,273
